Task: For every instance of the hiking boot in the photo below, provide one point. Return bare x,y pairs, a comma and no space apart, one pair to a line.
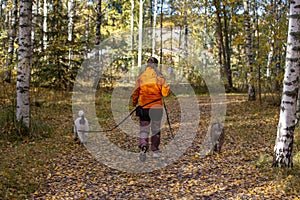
144,148
143,153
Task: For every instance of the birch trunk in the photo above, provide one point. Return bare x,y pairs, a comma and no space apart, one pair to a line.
140,34
11,41
283,149
132,36
70,16
185,28
24,63
249,52
154,27
87,31
45,25
70,27
161,35
35,7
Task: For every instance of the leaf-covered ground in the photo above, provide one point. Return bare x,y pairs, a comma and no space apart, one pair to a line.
59,168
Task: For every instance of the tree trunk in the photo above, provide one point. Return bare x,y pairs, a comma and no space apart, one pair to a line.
154,27
11,41
257,47
97,42
161,35
185,41
24,63
249,52
70,16
87,31
35,7
45,25
171,38
140,35
132,37
70,28
278,56
227,52
1,11
221,47
98,23
283,149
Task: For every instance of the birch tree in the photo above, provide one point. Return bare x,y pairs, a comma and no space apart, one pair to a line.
24,63
140,34
70,26
97,40
132,35
35,8
161,34
45,25
154,27
87,29
11,40
249,51
283,149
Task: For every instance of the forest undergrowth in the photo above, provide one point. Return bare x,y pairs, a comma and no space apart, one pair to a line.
56,167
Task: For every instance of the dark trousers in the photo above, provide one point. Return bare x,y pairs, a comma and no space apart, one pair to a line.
150,120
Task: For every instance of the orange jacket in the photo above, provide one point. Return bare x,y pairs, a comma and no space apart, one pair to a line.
149,87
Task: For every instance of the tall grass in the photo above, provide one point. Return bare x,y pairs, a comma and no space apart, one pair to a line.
13,130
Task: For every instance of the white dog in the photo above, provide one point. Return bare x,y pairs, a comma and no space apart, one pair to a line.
81,128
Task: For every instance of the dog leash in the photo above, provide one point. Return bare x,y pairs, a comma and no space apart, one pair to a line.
116,126
168,119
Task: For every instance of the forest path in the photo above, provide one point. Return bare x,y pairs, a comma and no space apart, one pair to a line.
62,169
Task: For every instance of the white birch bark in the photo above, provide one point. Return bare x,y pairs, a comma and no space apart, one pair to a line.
45,25
132,36
24,63
7,19
140,35
70,27
283,149
154,27
185,29
70,16
161,35
87,30
34,19
270,58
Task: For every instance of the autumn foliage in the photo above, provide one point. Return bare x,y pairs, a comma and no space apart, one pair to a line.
58,168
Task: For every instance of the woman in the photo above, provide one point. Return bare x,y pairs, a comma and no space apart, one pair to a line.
149,89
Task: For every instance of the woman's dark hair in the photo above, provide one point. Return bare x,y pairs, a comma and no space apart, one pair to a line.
152,62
